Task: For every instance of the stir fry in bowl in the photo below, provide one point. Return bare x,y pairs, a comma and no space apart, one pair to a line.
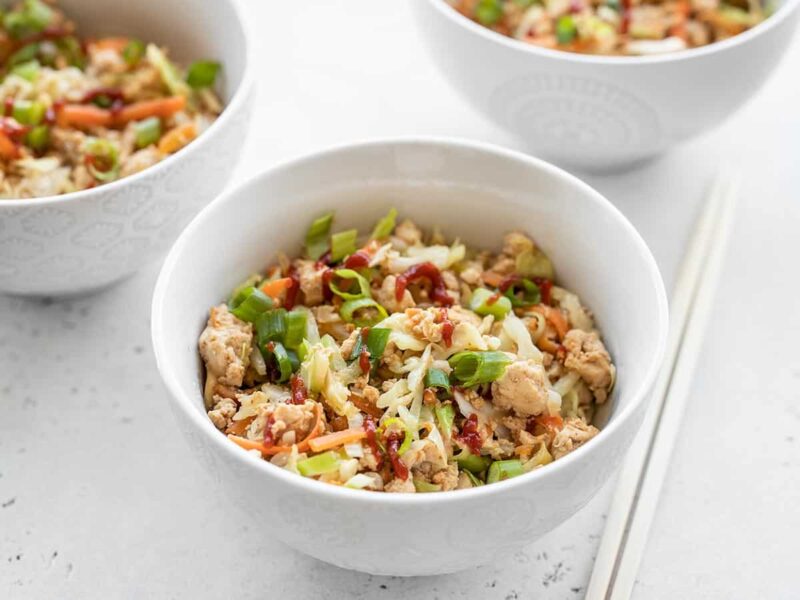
624,27
402,363
83,112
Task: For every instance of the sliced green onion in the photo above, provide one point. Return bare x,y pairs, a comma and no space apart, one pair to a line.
296,322
26,112
31,18
72,51
133,51
351,307
472,368
531,294
565,29
472,462
25,54
473,479
423,487
436,378
343,244
317,236
38,138
285,365
104,165
489,12
148,131
363,285
484,302
401,425
385,226
320,464
376,341
294,359
445,414
169,73
250,303
271,326
534,263
27,70
504,469
202,74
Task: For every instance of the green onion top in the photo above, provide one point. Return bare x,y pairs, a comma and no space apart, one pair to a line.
385,226
504,469
317,236
104,164
472,462
375,312
484,302
133,51
436,378
489,12
148,131
565,29
30,19
319,464
202,73
27,70
296,321
343,244
249,303
473,368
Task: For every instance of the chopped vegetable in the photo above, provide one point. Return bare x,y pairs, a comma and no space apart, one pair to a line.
296,324
102,159
336,439
317,236
31,18
363,285
147,131
565,29
423,487
523,293
504,469
275,287
177,137
38,138
436,378
384,227
445,415
319,464
202,73
271,326
484,302
133,51
26,112
349,311
472,368
159,107
250,303
284,362
27,70
489,12
343,244
474,463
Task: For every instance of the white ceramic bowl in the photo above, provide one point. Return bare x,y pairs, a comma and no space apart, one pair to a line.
86,240
474,191
599,112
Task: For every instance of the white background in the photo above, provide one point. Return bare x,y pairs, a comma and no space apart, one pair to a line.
101,498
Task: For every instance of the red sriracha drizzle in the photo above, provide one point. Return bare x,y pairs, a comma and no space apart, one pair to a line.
470,435
545,286
447,328
357,260
299,392
393,442
427,271
363,360
291,293
268,439
327,276
369,428
626,16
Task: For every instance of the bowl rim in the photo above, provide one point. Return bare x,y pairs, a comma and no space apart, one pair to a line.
783,12
231,108
187,406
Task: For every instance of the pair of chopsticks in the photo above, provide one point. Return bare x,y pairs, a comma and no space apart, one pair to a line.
642,475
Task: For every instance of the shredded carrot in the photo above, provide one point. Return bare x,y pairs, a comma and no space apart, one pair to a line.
117,44
546,344
239,427
83,115
276,287
555,317
8,149
160,107
319,427
492,278
552,423
339,438
177,138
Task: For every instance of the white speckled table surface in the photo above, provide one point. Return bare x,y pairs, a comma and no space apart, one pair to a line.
99,497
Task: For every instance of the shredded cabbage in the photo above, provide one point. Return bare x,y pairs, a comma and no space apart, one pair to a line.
516,330
359,482
566,383
443,257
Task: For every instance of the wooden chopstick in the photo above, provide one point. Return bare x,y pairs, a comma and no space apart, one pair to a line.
643,471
